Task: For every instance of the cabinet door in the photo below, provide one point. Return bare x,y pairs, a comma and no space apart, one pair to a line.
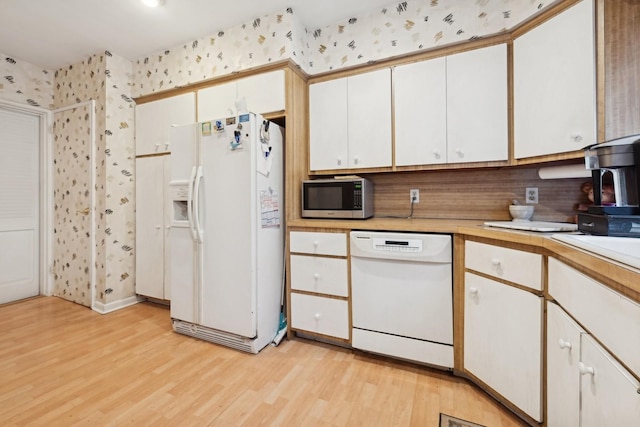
609,393
554,84
150,230
325,316
154,120
263,93
328,125
503,341
420,102
563,379
217,101
477,105
369,113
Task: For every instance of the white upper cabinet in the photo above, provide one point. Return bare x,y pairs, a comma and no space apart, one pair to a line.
554,84
260,93
420,95
452,109
350,122
263,93
154,121
217,101
328,125
477,105
369,112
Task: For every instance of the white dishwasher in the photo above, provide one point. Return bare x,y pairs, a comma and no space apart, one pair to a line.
402,295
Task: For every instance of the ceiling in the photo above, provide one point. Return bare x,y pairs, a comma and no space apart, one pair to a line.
55,33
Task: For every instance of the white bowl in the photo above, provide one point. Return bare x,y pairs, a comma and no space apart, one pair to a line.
521,212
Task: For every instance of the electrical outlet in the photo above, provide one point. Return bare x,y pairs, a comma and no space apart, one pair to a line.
414,195
531,195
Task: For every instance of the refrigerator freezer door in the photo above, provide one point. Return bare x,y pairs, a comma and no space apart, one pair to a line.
184,249
228,209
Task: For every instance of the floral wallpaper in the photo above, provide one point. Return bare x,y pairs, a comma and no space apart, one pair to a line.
25,83
106,78
400,28
72,205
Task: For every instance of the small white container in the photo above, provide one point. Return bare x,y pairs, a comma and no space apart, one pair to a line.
521,212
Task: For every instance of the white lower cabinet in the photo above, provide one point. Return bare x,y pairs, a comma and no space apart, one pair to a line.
586,386
325,316
319,283
503,341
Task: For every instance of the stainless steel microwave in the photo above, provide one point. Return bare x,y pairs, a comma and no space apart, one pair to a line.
350,198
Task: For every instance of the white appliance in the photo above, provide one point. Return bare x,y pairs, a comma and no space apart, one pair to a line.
402,295
226,231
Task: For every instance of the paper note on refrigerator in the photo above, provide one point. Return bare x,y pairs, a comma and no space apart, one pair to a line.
269,209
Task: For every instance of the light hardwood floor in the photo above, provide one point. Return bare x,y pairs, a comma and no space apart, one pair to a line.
63,364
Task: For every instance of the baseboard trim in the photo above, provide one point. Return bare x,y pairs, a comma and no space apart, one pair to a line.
115,305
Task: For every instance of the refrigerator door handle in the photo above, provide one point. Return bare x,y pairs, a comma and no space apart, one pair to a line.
190,204
196,204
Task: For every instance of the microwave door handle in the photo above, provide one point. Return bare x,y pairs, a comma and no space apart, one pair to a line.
196,204
190,203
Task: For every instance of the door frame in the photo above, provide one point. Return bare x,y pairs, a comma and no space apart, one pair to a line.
45,251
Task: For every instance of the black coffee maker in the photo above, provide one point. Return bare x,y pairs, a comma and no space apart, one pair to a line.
615,170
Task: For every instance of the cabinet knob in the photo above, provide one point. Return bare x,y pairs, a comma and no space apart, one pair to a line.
473,290
586,370
157,147
436,154
564,344
168,227
339,161
496,262
157,227
316,316
316,276
355,160
576,137
459,153
166,145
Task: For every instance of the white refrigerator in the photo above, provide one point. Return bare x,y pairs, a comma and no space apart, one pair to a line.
227,231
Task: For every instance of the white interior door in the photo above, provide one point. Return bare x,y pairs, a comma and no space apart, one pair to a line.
19,209
74,204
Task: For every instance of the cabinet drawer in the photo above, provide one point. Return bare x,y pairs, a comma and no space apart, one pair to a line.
609,316
318,243
523,268
324,316
318,274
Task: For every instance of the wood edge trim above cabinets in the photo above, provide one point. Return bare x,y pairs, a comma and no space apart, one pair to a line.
164,153
601,98
497,396
409,58
572,155
193,87
539,18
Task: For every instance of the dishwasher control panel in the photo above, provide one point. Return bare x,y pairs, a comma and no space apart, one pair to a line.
397,245
404,246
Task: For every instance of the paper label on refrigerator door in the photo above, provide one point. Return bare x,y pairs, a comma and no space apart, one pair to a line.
269,209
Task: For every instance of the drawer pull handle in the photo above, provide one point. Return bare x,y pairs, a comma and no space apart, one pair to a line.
316,276
474,291
317,316
564,344
586,370
315,243
496,262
